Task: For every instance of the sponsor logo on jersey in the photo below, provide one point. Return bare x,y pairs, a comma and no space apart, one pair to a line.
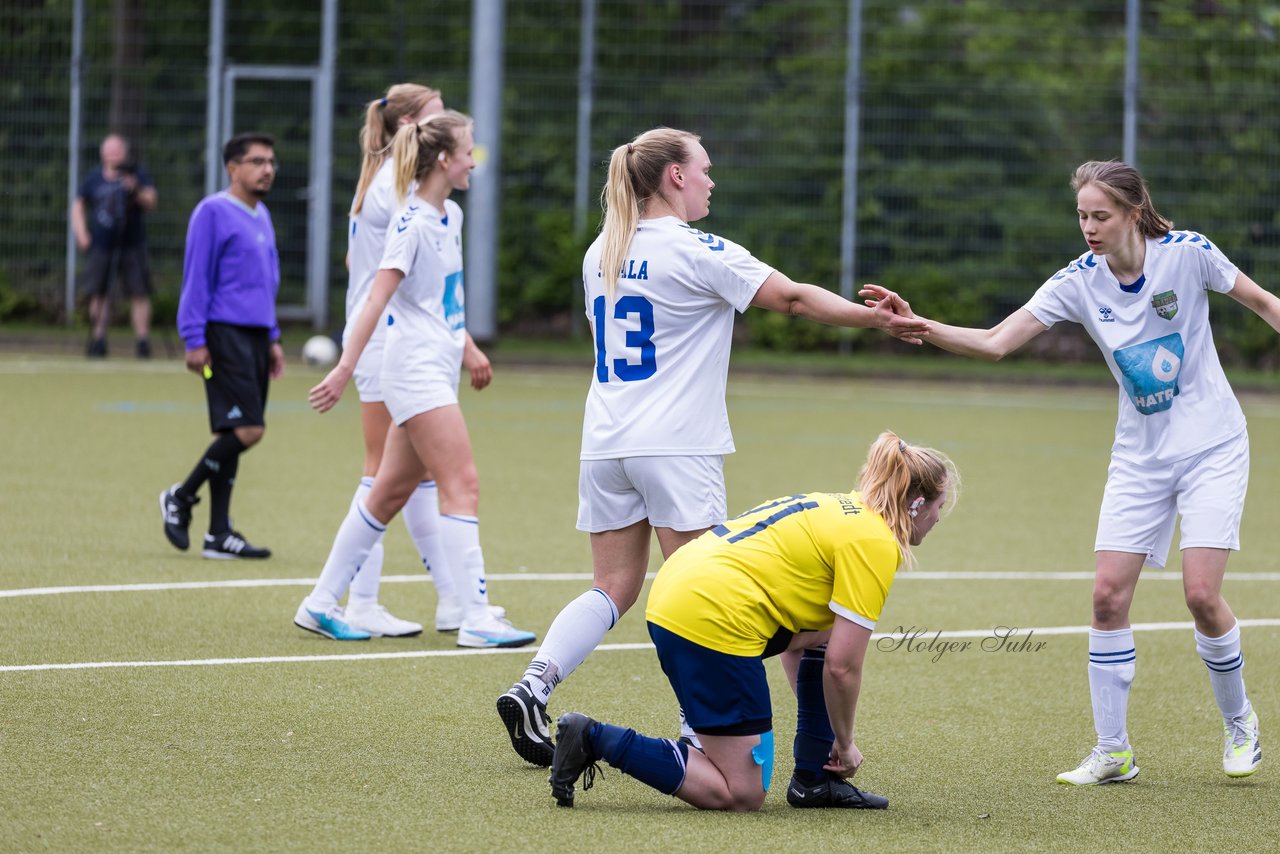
454,309
1150,371
1165,304
1105,314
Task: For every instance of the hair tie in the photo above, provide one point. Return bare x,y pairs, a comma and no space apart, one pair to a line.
630,149
902,446
382,103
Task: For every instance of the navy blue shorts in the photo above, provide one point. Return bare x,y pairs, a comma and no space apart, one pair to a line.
720,694
237,390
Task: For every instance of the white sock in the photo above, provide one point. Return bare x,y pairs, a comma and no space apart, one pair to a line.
576,631
356,537
422,518
460,538
364,587
1111,667
1226,672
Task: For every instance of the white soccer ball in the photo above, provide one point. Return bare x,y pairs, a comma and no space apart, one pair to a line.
320,351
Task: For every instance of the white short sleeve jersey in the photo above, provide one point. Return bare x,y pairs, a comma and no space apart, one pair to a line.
662,344
1175,400
366,240
426,318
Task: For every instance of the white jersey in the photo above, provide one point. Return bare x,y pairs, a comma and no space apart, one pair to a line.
662,344
426,318
1174,397
366,240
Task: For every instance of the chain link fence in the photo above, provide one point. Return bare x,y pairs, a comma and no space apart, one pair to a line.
972,116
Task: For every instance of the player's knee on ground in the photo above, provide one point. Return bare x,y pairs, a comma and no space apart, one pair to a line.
748,801
745,792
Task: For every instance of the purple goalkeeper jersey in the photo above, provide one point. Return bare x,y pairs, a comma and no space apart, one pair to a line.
231,272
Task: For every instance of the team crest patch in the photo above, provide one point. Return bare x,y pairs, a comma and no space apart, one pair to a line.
1165,304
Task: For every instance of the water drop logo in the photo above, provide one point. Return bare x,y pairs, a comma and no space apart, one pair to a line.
1165,365
1149,372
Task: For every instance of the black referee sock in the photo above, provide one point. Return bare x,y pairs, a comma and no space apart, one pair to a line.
224,450
220,485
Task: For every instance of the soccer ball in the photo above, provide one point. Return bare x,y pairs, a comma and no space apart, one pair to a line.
320,351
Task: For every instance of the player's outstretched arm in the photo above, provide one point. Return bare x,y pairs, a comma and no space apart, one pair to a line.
990,344
779,293
326,394
1254,297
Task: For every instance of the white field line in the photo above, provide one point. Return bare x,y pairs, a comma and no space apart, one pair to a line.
148,587
923,637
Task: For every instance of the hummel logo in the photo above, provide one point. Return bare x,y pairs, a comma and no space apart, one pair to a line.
1104,314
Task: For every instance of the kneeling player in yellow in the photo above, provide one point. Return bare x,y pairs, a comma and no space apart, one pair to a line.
805,577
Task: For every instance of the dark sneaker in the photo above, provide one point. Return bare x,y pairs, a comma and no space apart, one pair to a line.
528,725
231,546
142,348
97,348
573,758
175,510
833,792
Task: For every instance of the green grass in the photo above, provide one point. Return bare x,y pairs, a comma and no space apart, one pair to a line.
407,754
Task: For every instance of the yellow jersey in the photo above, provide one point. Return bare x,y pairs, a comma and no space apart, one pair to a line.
790,564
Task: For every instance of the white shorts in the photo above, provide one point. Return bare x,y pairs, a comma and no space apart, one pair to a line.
407,396
681,493
368,374
1141,503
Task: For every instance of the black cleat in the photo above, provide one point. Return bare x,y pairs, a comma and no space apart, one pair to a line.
231,546
833,792
96,348
573,758
528,725
176,513
142,348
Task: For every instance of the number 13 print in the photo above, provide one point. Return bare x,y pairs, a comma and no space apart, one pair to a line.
641,339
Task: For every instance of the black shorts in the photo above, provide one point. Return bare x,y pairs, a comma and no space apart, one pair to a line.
236,386
131,273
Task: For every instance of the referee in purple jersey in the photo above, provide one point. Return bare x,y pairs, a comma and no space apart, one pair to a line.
227,317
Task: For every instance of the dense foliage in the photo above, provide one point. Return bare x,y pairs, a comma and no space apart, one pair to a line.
972,115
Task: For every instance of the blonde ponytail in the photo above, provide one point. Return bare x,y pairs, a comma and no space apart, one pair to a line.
417,147
404,150
895,474
635,176
381,123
